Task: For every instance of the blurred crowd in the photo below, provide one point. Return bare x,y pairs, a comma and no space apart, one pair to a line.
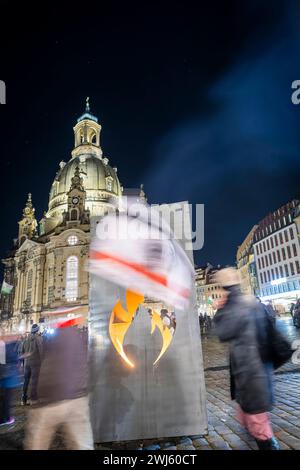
52,368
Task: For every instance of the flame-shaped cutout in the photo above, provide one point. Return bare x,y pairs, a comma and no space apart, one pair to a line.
167,336
121,319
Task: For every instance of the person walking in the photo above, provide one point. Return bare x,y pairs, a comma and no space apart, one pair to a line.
63,393
253,341
32,353
9,376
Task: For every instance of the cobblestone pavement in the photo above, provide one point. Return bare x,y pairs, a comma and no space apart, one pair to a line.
224,431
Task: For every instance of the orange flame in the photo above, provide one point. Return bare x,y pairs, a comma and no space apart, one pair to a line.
121,319
156,322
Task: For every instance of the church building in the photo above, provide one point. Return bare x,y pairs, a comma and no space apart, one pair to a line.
47,265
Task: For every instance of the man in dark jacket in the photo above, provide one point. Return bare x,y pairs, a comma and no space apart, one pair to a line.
237,323
32,352
62,392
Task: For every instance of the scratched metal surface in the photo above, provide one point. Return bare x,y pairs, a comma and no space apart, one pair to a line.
165,400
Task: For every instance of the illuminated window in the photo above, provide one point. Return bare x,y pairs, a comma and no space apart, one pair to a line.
72,279
72,240
109,184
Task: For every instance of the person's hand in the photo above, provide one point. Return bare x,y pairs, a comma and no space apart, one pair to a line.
25,355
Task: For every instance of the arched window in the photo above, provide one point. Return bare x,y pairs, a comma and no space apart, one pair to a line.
72,279
74,214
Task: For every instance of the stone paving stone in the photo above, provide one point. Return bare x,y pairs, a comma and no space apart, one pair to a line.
222,430
168,446
291,441
235,442
200,442
283,445
185,447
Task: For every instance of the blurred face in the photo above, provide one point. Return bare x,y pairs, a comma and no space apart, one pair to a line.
222,298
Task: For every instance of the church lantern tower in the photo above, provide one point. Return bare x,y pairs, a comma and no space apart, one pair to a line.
28,224
87,134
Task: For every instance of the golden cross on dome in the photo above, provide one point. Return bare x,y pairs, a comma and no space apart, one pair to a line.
87,104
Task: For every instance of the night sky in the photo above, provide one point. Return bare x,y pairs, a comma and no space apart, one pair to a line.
194,103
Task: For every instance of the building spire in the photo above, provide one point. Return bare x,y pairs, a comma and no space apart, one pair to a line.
28,224
87,104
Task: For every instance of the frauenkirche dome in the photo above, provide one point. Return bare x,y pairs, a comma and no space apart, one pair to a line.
100,180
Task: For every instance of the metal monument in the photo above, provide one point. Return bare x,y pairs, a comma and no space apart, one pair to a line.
147,373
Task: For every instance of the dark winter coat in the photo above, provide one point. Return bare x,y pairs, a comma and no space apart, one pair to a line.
64,369
33,345
238,323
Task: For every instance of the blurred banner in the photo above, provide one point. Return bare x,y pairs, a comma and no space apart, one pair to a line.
147,374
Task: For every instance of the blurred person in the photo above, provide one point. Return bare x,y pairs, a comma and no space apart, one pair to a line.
9,376
32,353
63,393
270,310
255,348
296,314
20,349
292,308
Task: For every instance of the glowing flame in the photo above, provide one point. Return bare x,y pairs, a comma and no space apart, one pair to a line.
156,322
121,319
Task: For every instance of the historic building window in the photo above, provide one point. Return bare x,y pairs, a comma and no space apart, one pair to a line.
286,270
74,214
286,236
72,240
294,249
291,233
292,269
72,279
109,184
281,271
50,294
29,280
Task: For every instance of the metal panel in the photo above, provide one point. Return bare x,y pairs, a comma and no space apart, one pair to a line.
165,400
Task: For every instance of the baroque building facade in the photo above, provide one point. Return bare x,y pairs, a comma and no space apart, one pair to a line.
246,264
47,264
207,290
277,255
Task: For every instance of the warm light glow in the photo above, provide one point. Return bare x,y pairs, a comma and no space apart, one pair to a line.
276,282
157,322
121,319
